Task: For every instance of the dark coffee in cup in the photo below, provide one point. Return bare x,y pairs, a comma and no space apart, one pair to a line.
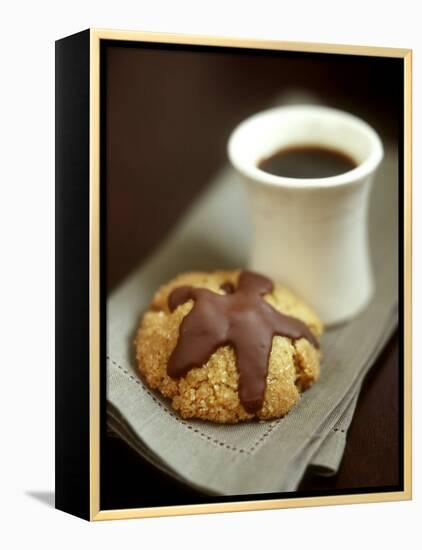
307,161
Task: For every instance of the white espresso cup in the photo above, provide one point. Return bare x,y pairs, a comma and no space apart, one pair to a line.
311,234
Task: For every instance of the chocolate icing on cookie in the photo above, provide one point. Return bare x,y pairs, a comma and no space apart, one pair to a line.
228,288
240,318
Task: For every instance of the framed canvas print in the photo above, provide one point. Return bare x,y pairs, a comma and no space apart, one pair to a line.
233,276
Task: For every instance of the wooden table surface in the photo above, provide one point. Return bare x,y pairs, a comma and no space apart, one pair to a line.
168,117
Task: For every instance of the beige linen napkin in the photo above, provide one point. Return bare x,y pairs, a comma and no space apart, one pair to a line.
251,457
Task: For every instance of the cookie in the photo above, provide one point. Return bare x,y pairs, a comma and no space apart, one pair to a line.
228,346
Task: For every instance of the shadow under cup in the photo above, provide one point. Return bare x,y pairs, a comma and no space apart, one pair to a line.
311,234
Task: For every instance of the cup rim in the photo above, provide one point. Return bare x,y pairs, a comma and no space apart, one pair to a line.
251,171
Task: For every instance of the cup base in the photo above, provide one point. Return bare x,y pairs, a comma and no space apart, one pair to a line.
332,324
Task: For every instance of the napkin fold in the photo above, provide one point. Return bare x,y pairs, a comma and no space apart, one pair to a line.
253,457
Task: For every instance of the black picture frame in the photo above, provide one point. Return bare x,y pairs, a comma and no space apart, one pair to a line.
80,268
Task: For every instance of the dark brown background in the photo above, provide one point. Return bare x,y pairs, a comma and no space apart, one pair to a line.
167,116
